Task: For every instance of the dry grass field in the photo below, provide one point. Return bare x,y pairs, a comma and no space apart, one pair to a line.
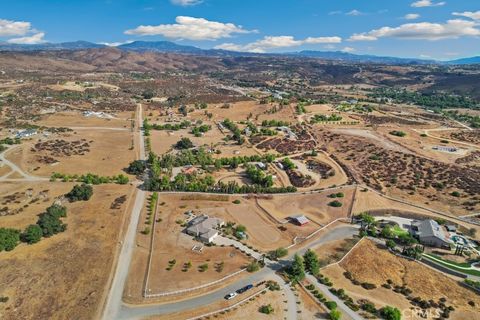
333,251
314,206
171,243
66,274
367,263
104,153
77,119
309,306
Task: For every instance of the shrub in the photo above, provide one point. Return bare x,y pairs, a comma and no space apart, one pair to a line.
335,204
32,234
273,286
236,201
266,309
390,244
398,133
368,286
277,253
334,315
369,307
331,305
390,313
253,266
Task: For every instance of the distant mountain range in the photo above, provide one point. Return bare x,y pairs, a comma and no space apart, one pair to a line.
171,47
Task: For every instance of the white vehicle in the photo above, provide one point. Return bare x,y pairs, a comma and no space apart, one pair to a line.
230,296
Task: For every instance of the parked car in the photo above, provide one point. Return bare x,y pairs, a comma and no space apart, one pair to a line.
230,296
247,287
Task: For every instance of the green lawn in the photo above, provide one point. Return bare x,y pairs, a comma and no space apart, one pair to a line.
398,231
444,262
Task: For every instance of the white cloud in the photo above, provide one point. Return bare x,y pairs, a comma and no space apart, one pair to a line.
10,28
34,39
329,47
186,3
274,42
115,44
362,37
348,49
452,29
411,16
190,28
468,14
229,47
354,12
333,13
427,3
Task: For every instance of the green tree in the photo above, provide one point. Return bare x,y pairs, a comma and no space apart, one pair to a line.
136,167
184,143
50,221
81,192
390,313
32,234
288,164
148,94
387,232
9,239
406,239
367,219
311,262
296,271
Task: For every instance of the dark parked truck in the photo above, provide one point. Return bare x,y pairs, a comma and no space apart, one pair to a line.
246,288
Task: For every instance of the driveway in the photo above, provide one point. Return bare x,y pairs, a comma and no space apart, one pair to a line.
221,240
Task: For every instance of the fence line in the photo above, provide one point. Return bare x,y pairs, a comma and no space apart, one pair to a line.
162,294
229,308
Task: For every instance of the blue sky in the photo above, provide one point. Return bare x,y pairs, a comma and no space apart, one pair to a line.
405,28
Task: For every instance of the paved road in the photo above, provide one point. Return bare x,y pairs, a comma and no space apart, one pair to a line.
114,298
15,168
136,312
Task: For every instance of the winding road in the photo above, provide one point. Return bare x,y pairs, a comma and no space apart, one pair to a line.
115,308
135,312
